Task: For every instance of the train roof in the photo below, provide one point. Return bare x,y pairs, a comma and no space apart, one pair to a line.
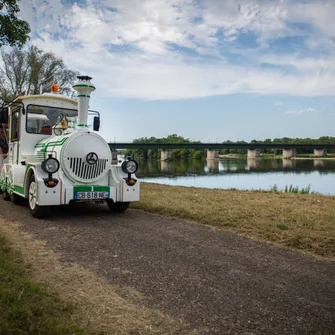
43,96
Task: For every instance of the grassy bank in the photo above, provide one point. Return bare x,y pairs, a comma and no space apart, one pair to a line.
301,221
26,307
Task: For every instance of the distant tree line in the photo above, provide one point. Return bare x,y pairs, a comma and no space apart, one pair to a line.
156,153
198,154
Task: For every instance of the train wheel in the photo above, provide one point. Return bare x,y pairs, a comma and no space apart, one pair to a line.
118,207
6,195
16,199
35,210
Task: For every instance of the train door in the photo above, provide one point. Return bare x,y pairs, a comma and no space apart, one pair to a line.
14,134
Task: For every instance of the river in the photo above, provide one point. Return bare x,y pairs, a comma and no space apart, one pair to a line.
242,173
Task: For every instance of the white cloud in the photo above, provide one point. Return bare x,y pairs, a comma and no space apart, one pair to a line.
301,111
320,14
154,70
278,103
301,64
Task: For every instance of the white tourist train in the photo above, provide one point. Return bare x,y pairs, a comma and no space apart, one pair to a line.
55,158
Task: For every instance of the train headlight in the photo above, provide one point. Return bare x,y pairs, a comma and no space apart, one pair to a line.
50,165
130,166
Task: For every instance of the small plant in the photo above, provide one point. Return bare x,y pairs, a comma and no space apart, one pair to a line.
306,190
282,226
274,189
292,189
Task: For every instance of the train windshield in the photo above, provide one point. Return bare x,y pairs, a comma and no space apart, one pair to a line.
41,119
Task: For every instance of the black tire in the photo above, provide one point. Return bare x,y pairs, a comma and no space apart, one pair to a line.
35,210
6,195
117,207
16,199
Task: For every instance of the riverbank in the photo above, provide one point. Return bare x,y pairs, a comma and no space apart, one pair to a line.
314,158
300,221
142,273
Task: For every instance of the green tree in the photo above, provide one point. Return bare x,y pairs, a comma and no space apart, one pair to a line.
13,32
22,72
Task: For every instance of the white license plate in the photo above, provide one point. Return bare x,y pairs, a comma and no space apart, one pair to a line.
92,195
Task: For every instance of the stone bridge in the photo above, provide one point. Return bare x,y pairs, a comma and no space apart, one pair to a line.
288,149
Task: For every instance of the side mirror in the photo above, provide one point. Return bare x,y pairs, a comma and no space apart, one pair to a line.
96,123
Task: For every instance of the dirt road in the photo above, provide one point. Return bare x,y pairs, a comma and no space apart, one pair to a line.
211,279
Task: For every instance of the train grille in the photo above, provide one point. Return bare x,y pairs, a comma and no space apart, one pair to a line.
82,170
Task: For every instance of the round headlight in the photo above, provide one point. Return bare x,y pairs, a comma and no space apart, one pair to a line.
129,166
50,165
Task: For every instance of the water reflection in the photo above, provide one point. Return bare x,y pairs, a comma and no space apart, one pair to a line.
213,166
254,163
319,163
165,166
155,168
288,163
241,173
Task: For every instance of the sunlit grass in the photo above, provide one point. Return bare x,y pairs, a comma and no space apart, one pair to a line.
302,221
25,306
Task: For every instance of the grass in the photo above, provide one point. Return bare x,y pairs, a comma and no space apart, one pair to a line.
312,155
99,308
25,306
292,189
301,221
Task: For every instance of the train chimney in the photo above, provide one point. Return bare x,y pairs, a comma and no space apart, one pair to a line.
84,88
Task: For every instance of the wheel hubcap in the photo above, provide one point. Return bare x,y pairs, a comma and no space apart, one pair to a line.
32,195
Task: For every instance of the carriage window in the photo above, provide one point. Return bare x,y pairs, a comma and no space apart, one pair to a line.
41,119
15,124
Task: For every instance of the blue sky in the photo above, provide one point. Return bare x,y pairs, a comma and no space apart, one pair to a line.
207,70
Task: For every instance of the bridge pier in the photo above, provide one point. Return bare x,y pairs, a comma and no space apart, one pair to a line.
254,153
212,154
289,153
165,154
320,152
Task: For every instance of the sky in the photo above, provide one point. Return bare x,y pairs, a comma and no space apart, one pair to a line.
206,70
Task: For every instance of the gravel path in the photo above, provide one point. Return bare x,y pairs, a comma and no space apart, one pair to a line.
217,280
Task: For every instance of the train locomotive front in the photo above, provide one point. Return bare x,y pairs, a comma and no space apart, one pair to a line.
72,164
